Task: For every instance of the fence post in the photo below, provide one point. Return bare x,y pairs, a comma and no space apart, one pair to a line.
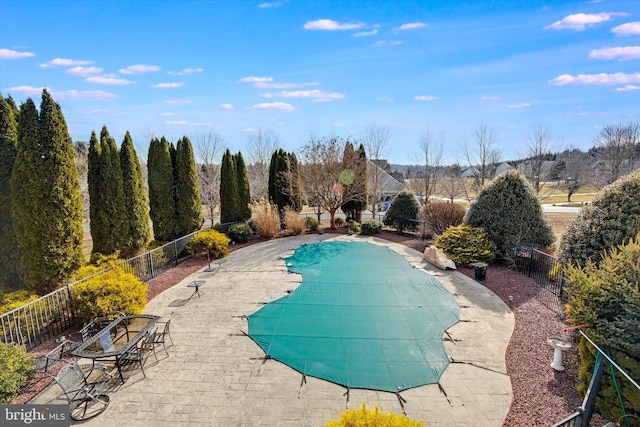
594,388
175,250
153,274
530,262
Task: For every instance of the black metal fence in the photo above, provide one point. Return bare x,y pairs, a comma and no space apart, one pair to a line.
48,316
545,270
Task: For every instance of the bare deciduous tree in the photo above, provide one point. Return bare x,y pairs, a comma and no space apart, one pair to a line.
209,146
260,147
376,139
451,185
431,152
616,145
539,146
482,155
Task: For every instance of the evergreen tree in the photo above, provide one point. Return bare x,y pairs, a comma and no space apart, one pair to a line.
242,178
9,253
508,210
136,204
403,212
271,187
161,190
354,178
229,196
47,206
281,181
188,203
296,183
14,109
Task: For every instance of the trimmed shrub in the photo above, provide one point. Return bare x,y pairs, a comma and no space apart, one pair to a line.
339,222
311,223
370,227
100,262
17,367
612,219
403,212
354,226
215,242
465,245
508,210
607,299
12,300
442,215
372,418
293,222
113,290
265,218
240,233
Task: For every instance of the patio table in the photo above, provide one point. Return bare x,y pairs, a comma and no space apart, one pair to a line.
116,339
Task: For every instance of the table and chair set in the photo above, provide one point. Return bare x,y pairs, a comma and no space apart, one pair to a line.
117,340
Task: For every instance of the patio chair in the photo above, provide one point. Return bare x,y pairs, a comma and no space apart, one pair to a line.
87,398
47,361
161,337
140,353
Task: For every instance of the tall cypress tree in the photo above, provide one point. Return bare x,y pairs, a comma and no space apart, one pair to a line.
135,197
95,169
189,216
296,182
282,188
161,190
242,178
14,108
271,186
355,171
9,252
47,206
229,196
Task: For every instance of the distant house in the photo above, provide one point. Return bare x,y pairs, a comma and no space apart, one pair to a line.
388,186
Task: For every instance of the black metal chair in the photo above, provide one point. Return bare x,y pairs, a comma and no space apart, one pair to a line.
87,398
161,337
140,353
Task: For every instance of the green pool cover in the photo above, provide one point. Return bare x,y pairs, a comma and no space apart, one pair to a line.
363,317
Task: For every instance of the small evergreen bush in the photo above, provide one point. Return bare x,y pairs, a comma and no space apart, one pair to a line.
465,245
403,212
265,218
12,300
100,262
293,222
370,227
113,290
339,222
17,367
354,226
240,233
215,242
364,417
312,223
442,215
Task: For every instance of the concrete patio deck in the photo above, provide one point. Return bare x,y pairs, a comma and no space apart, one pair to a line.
215,375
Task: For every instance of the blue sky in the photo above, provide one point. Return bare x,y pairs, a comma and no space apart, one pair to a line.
177,68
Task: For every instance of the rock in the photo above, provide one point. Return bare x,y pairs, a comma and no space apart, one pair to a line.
437,257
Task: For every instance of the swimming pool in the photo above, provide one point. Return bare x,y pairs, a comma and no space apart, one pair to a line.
363,317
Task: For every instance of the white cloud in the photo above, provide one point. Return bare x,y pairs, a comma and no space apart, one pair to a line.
411,26
177,101
331,25
628,29
316,95
168,114
625,53
387,43
281,106
627,88
580,21
425,98
84,71
14,54
172,85
366,33
268,83
225,107
254,79
176,122
63,62
271,4
490,98
523,105
73,95
248,130
596,79
338,125
385,98
139,69
108,80
186,71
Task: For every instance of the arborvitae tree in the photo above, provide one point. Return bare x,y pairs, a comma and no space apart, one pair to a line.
188,203
271,187
281,181
47,206
173,154
508,210
242,179
107,209
14,108
403,211
161,190
296,182
229,196
9,253
135,197
355,165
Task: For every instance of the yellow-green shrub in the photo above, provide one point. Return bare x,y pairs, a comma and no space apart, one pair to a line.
16,368
100,262
265,218
465,245
113,290
293,222
12,300
364,417
311,223
215,242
